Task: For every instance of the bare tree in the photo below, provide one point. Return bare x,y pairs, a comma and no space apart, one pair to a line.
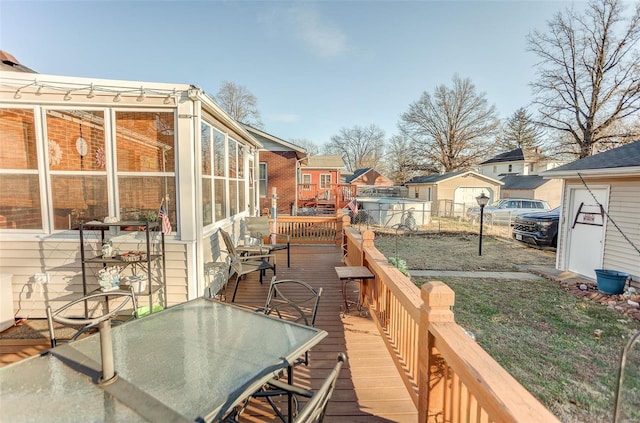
454,129
589,75
311,147
400,160
359,146
519,131
240,103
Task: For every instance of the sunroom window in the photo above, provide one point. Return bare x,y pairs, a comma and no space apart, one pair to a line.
145,165
77,165
20,206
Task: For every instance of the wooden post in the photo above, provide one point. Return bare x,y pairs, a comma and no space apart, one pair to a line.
274,215
367,242
437,300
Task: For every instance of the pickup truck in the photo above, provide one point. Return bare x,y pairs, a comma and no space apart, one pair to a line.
539,228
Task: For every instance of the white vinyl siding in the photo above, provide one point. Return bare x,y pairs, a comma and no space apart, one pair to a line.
22,259
624,203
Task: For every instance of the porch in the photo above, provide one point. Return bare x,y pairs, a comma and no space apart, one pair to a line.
369,388
328,199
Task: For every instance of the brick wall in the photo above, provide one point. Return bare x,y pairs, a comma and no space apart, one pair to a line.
281,173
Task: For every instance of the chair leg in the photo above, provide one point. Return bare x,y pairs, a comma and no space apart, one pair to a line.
236,289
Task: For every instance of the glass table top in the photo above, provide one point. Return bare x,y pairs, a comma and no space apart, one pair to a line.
198,359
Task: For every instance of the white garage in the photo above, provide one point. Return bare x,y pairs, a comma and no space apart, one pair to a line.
599,219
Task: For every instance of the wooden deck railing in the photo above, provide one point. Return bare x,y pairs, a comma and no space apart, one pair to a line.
448,375
311,195
311,229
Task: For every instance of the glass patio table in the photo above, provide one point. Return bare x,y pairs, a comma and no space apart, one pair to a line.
191,362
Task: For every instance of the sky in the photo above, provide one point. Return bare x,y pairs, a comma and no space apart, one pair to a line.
315,67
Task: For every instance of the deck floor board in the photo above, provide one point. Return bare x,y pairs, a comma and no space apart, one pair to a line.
369,388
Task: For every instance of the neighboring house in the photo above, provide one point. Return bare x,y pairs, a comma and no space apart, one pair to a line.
279,168
533,187
599,225
368,176
518,169
453,193
74,150
371,183
320,185
518,162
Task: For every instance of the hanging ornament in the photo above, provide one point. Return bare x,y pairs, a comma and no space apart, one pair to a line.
55,153
100,158
81,144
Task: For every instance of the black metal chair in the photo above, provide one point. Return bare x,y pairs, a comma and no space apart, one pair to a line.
94,301
259,228
243,265
298,302
314,410
295,301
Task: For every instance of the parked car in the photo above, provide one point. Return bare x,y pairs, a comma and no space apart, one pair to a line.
506,210
538,228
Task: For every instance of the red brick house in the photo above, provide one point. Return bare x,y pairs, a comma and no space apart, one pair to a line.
320,186
279,161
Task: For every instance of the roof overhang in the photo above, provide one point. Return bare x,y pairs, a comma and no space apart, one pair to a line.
613,172
28,88
300,151
460,175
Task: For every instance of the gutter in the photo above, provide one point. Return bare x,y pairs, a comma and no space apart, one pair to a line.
613,172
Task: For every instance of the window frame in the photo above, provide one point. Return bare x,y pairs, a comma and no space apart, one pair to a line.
261,166
322,184
106,118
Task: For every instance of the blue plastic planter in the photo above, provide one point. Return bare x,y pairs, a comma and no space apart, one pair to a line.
611,281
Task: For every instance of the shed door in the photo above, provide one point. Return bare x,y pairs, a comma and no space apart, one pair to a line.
585,230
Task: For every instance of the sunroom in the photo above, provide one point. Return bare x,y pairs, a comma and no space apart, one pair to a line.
77,150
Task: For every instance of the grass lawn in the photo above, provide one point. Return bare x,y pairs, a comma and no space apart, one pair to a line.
563,349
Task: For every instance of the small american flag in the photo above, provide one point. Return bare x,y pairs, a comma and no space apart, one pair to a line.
166,224
353,206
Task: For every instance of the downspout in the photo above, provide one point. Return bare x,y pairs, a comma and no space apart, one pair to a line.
294,212
198,259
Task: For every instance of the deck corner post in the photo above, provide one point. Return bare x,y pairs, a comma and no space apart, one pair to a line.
437,300
367,239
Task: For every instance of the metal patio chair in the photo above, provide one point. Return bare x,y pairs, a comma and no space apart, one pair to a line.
295,301
314,410
298,302
259,228
243,265
92,301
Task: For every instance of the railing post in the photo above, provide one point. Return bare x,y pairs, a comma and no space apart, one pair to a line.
367,242
437,300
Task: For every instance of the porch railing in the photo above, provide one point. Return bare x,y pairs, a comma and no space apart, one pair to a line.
338,195
448,375
323,229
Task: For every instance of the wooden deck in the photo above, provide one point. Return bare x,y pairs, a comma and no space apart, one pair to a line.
369,388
